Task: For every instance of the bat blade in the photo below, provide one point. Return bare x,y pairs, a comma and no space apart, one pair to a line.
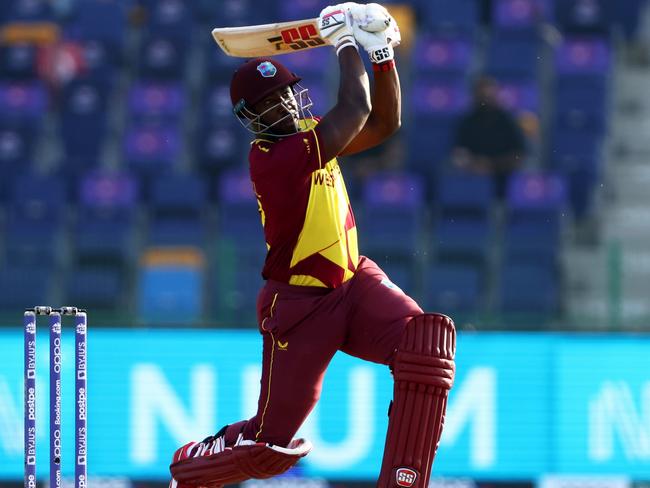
268,39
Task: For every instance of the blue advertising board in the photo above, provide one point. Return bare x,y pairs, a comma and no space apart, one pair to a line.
523,404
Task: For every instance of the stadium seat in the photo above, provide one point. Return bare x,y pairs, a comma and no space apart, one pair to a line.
453,289
391,215
529,291
583,56
170,19
513,58
18,62
23,103
461,194
28,11
442,56
519,96
161,59
177,194
170,286
156,102
29,285
103,21
462,240
96,288
451,18
17,145
519,16
151,150
83,118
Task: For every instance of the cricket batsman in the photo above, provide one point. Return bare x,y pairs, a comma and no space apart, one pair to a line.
320,296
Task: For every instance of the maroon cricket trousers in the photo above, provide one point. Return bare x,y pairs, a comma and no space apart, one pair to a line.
303,327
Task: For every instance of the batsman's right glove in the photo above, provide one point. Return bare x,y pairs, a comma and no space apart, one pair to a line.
379,45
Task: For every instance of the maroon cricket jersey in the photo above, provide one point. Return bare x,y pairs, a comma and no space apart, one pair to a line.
308,222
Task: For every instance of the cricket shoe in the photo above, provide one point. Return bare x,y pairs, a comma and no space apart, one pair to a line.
227,437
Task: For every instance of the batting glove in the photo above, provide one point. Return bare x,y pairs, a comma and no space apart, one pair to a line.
335,25
379,45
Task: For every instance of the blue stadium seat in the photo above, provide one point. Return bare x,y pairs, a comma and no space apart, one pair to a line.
178,194
593,16
95,288
100,20
18,62
175,231
161,59
529,289
170,294
459,16
83,117
461,194
513,58
232,13
391,215
462,240
453,289
535,204
17,144
28,10
29,285
219,148
581,103
171,19
103,236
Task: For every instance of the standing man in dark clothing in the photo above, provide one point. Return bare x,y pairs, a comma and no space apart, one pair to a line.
488,138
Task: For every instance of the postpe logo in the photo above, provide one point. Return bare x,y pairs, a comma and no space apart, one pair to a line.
267,69
405,477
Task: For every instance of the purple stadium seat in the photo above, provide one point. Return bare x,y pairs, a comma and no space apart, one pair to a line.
310,62
513,57
536,191
235,187
160,102
23,102
107,190
437,98
519,96
580,56
519,14
442,55
394,190
459,16
152,149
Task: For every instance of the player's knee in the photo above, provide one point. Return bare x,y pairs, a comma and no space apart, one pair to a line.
426,351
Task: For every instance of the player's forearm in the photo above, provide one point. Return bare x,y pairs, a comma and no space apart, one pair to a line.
386,114
353,85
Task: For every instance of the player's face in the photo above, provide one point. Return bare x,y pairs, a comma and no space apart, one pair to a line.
279,110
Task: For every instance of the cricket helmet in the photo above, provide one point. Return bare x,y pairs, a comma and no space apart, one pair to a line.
258,78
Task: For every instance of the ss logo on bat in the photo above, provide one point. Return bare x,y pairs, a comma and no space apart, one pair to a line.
297,38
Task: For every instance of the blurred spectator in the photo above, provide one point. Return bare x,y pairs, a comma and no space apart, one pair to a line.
488,138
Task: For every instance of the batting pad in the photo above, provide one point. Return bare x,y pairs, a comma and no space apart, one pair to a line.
424,374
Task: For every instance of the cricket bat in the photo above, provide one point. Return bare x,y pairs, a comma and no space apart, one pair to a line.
268,39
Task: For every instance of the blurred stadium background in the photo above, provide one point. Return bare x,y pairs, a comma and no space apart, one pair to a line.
124,190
